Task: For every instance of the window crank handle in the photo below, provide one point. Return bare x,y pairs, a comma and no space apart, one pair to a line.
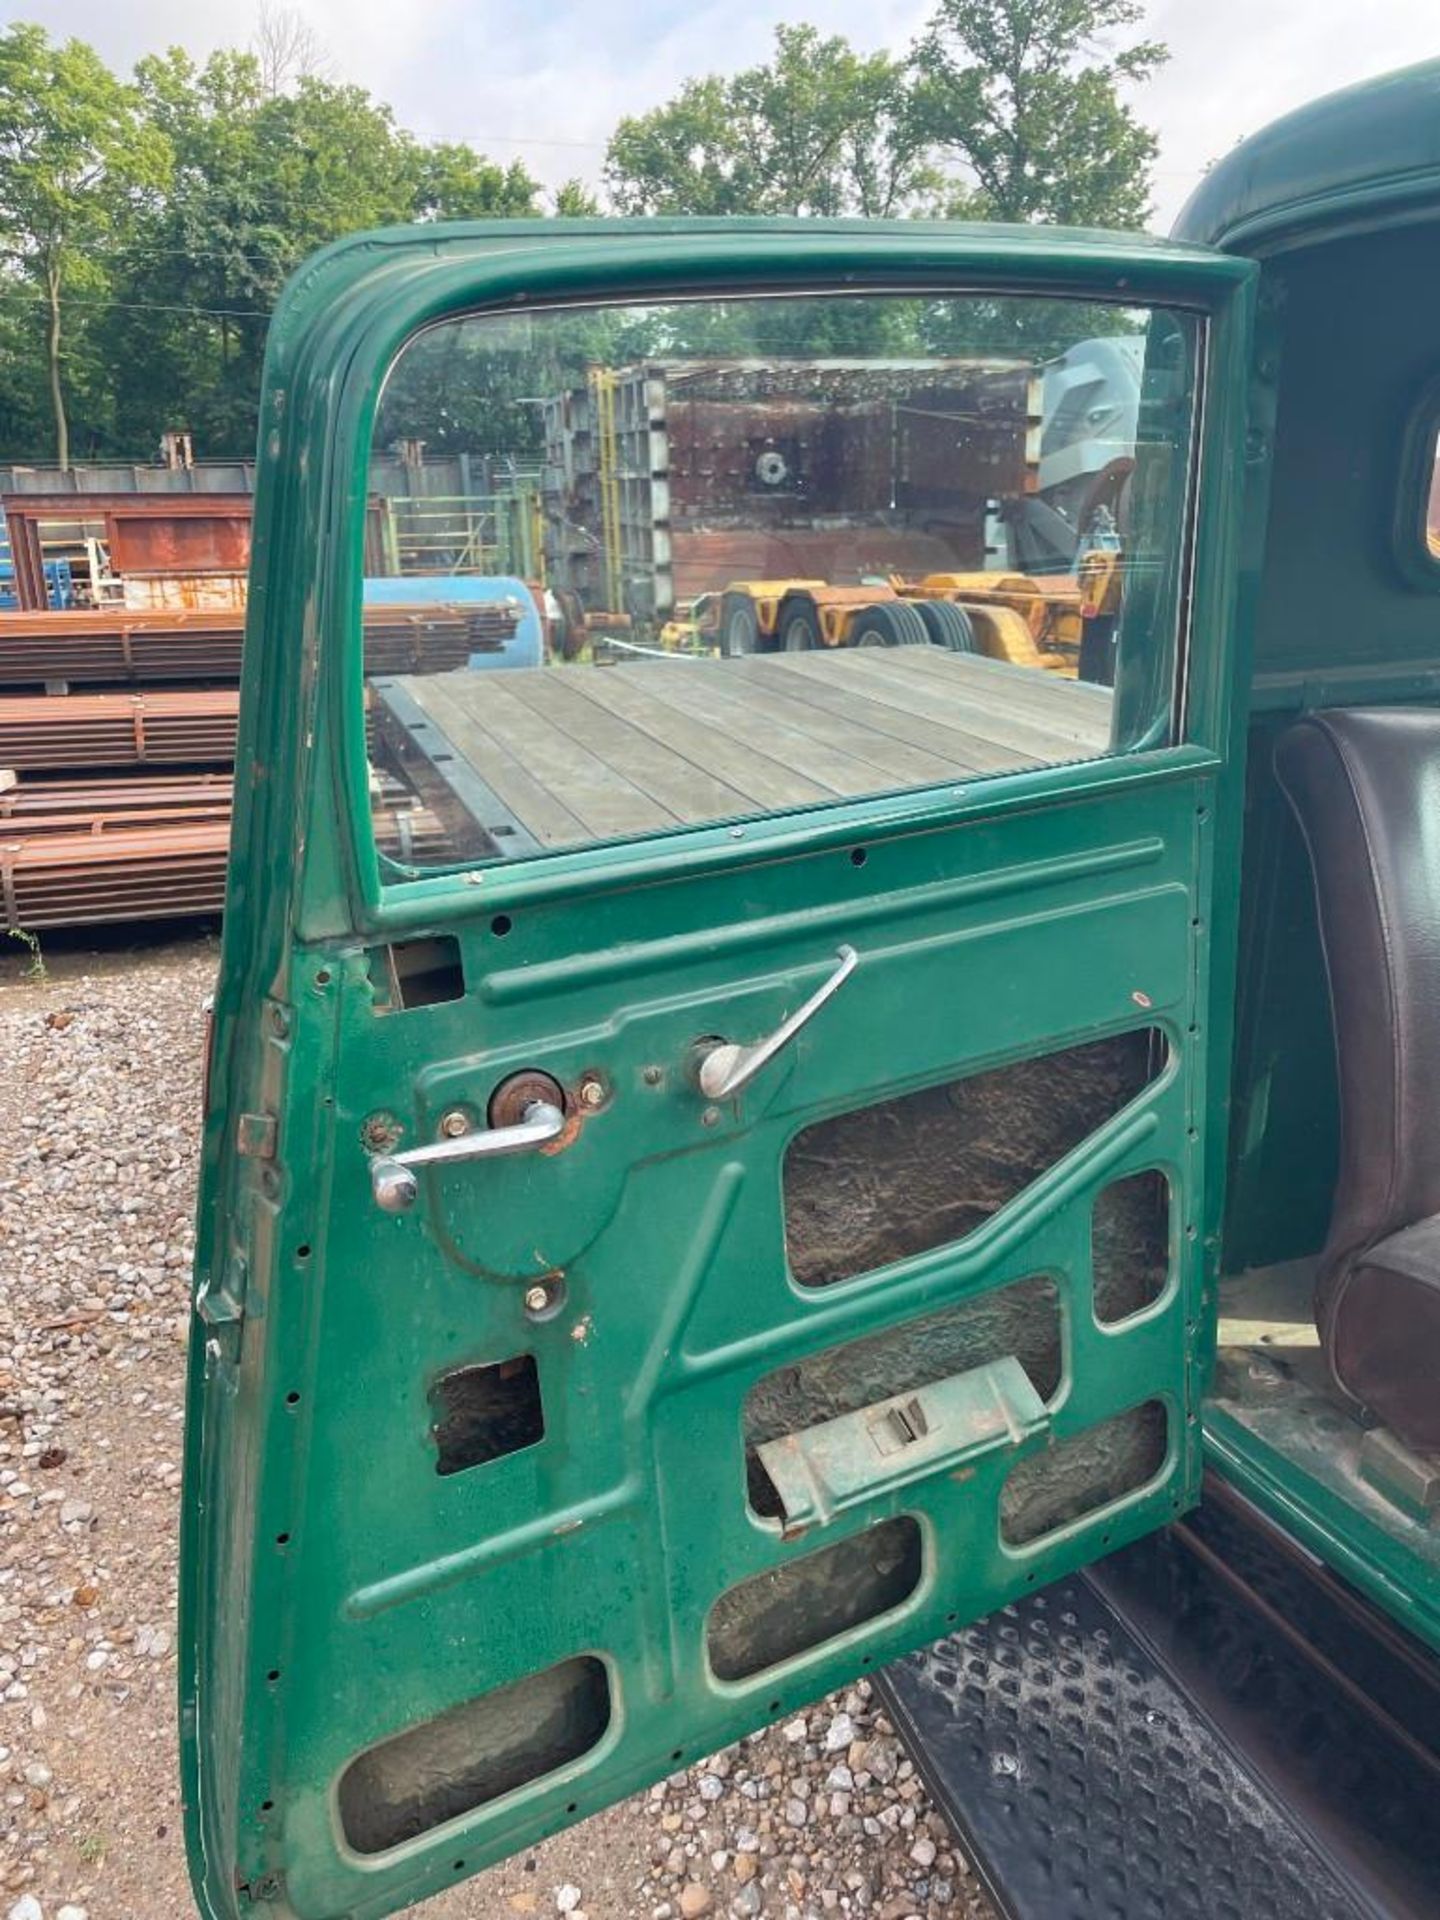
726,1068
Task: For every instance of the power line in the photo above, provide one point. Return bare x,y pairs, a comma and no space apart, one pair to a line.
132,306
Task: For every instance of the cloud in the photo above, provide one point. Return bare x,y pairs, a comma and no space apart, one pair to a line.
546,80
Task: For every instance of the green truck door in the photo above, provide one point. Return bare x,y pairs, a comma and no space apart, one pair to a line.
683,1377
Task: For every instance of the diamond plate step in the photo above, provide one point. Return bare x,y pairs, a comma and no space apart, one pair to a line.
1205,1727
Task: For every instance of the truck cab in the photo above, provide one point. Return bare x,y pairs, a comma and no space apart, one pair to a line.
736,1161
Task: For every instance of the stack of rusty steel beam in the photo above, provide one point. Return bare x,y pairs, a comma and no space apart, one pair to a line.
95,730
145,847
112,646
121,803
91,878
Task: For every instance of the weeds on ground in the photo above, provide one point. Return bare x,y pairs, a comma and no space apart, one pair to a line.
36,970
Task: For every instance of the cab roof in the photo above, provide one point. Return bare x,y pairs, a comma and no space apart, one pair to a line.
1364,157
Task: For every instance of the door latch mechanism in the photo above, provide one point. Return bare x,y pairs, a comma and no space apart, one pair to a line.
726,1067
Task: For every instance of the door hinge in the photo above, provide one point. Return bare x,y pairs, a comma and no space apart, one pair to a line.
220,1305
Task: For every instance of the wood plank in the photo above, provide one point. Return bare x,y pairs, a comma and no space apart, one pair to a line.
579,754
688,792
767,783
968,709
905,764
1047,698
1026,696
552,824
708,693
970,752
598,794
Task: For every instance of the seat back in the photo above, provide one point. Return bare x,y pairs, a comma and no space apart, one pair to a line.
1364,784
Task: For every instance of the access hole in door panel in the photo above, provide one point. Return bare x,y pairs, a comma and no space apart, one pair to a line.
884,1182
472,1754
799,1606
416,973
1083,1473
482,1413
1020,1318
1130,1244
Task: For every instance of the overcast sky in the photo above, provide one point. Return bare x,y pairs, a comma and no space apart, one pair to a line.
545,80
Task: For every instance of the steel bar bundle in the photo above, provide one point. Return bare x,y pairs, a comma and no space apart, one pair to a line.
36,806
118,729
113,646
132,873
144,847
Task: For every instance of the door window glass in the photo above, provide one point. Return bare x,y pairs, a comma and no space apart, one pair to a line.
633,570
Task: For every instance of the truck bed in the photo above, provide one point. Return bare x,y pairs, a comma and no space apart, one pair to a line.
561,756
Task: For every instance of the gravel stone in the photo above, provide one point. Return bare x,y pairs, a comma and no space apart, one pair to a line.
99,1132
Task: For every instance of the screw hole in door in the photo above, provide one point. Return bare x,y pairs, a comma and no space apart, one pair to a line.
858,856
501,925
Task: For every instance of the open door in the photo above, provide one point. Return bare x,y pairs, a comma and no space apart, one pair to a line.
712,1143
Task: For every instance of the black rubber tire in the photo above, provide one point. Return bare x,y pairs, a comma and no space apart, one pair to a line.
739,626
948,625
889,623
797,627
572,633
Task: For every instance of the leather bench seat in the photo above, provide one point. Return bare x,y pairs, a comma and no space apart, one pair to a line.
1364,784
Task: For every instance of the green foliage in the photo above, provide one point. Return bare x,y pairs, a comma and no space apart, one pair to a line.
146,226
77,160
1004,110
454,182
1024,95
821,130
261,179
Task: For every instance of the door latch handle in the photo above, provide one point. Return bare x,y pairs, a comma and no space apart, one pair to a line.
726,1068
395,1186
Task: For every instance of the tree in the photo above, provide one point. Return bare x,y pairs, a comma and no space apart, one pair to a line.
1027,97
450,181
287,49
76,159
260,180
820,130
575,201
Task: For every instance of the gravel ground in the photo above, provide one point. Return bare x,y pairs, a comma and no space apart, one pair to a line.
99,1098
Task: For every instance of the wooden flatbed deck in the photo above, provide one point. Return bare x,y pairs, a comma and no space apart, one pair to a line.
562,756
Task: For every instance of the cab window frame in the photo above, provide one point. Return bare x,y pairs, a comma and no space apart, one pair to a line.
1216,293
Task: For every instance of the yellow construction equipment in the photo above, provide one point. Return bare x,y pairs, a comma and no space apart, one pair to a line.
1028,621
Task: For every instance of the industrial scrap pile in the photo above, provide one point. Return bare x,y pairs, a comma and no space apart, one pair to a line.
117,739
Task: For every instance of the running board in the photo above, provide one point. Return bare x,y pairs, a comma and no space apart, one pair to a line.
1208,1725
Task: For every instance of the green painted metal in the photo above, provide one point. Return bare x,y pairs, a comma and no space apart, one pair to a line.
1347,162
1340,204
1365,1541
336,1590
